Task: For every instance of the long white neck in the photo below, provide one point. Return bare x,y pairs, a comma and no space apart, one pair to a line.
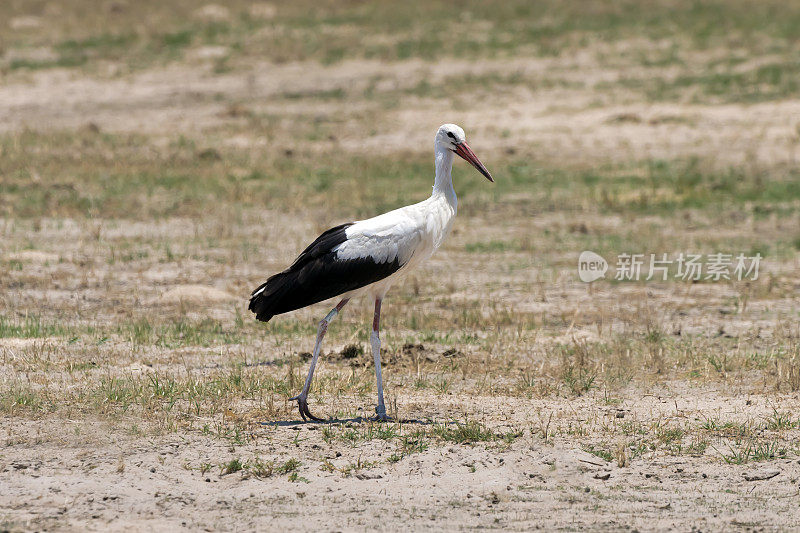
443,184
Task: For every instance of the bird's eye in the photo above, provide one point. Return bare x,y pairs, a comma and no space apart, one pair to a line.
450,134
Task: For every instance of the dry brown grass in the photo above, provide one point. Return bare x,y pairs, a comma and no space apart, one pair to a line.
520,386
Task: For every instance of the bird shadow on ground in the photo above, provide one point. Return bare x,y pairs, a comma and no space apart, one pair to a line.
330,421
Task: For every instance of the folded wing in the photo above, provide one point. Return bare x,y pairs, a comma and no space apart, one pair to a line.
342,259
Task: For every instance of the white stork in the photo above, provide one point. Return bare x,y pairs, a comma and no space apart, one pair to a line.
367,257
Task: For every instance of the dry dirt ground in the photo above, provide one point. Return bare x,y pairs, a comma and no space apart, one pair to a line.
144,194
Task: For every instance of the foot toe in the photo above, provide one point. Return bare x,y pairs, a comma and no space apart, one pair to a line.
381,415
302,405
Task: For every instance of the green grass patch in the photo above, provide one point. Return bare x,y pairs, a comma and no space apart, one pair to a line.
752,450
114,175
20,396
331,32
183,332
31,327
600,451
774,81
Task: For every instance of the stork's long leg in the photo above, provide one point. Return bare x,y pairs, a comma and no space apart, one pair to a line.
302,398
375,341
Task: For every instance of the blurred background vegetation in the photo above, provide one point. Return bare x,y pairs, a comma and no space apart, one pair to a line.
152,145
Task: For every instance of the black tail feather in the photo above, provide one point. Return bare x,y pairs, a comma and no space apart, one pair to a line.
260,303
270,298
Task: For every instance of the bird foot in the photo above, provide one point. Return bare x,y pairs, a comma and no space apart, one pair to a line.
302,404
381,416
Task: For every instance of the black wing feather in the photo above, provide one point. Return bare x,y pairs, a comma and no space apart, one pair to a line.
317,275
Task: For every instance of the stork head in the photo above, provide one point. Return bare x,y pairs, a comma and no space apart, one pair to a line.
451,137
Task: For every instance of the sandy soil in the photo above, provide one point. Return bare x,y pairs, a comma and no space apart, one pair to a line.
559,124
83,472
68,476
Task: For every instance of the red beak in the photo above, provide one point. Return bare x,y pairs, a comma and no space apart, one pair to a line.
463,150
